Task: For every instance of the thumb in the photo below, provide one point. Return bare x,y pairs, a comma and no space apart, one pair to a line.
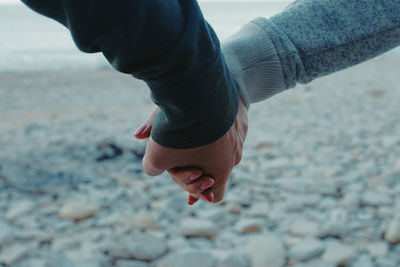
151,168
144,130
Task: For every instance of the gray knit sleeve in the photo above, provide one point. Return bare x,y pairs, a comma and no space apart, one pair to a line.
310,39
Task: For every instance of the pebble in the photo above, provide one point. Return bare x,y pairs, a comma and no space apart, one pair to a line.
19,208
339,254
258,209
363,261
233,208
306,249
146,221
138,246
250,225
78,210
373,198
6,233
265,250
192,227
392,233
130,263
234,259
304,227
188,258
14,252
378,249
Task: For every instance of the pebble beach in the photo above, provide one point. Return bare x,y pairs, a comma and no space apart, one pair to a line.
319,183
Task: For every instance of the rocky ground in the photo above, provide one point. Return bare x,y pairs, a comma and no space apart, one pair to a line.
319,184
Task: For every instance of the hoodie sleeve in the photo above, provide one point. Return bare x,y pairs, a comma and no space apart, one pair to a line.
170,46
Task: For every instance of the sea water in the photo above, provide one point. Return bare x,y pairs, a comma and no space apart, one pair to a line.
30,42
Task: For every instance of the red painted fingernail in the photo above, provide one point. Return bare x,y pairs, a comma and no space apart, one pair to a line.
194,177
206,185
141,129
192,200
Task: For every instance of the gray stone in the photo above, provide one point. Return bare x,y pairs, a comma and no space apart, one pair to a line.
265,250
339,254
14,252
18,208
304,227
373,198
258,209
188,258
138,246
192,227
378,249
306,249
363,261
6,233
392,233
130,263
234,260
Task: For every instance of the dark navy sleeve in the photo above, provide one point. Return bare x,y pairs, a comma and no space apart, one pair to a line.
170,46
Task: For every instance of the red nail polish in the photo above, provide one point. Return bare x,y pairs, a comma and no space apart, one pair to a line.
194,177
141,129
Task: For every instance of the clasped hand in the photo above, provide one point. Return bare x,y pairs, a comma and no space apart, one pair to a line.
202,171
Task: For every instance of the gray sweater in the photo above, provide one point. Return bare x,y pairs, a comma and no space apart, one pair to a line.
309,39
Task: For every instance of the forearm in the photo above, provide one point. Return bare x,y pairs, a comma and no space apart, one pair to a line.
170,46
315,38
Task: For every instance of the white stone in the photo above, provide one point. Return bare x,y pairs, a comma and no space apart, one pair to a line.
251,225
192,227
378,249
18,208
233,208
304,227
146,221
373,198
392,233
14,252
363,261
258,209
235,259
339,254
265,250
138,246
188,258
78,210
306,249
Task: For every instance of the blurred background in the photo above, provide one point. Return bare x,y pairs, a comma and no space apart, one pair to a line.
319,184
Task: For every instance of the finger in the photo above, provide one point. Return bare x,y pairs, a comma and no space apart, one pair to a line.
198,186
218,193
144,130
207,196
150,168
185,175
192,200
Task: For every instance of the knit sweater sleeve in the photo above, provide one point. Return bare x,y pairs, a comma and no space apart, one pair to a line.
310,39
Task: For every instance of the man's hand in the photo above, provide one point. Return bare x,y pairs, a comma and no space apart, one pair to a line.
198,168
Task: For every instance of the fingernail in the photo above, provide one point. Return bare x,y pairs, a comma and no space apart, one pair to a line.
206,185
194,177
204,198
141,129
211,197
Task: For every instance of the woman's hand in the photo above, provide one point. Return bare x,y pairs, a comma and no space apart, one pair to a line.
210,164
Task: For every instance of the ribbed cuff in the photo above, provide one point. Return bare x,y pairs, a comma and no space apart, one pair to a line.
254,64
